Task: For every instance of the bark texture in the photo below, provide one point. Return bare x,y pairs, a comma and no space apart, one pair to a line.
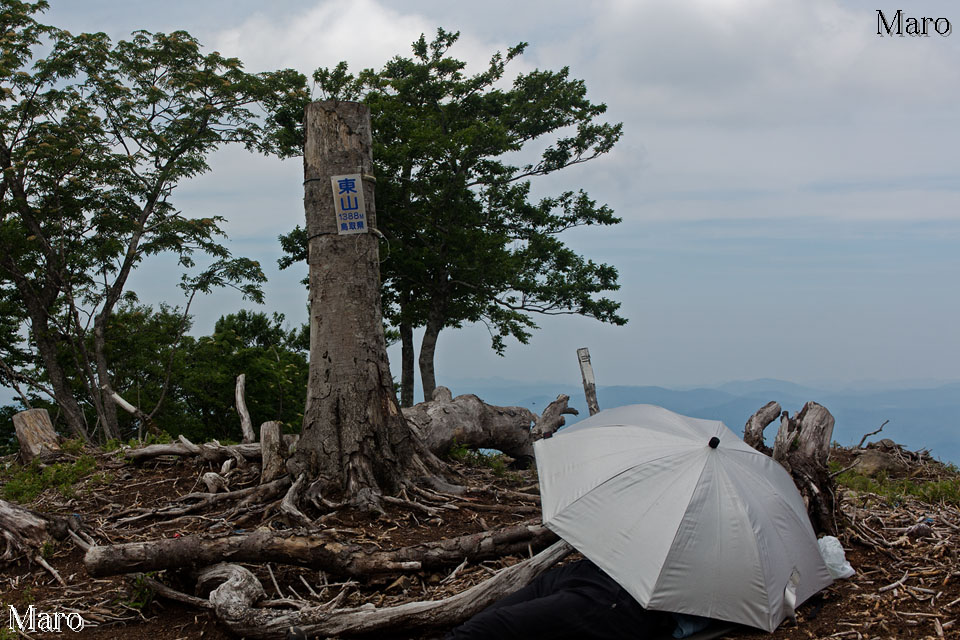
318,552
355,438
467,420
273,452
753,431
802,446
23,531
35,434
240,397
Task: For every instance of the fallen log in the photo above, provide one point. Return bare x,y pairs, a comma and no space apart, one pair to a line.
24,531
233,602
315,551
445,422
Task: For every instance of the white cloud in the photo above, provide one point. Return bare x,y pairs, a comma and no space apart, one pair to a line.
365,33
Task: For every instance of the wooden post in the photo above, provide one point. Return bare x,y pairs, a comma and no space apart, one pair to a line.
246,424
589,383
35,434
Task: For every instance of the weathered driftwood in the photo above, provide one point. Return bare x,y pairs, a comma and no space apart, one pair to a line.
23,531
273,452
802,445
136,412
210,451
552,417
753,431
35,434
467,420
246,424
233,603
319,552
214,482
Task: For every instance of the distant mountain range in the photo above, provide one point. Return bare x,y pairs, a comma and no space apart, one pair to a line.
919,418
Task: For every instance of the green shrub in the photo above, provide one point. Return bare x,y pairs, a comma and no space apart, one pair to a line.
945,491
26,483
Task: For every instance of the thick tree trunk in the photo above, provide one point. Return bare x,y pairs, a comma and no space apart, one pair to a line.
428,350
234,600
35,434
47,346
355,438
318,552
111,425
407,364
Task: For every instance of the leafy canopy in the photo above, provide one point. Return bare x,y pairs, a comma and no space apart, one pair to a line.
94,138
466,240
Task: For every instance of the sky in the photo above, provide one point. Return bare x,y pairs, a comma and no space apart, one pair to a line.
788,180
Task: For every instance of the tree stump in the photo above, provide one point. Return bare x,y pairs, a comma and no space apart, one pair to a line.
273,452
802,446
35,434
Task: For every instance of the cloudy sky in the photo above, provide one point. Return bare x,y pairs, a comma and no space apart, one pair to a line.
788,180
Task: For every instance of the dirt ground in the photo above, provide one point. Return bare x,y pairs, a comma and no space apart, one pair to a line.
907,581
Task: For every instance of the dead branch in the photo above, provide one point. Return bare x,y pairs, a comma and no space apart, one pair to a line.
872,433
753,431
246,424
552,417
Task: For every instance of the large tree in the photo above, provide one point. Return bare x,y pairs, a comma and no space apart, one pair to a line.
94,138
466,240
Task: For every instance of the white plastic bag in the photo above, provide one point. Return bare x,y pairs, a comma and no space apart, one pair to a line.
832,552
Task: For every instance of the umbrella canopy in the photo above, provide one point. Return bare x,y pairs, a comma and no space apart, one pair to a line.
683,514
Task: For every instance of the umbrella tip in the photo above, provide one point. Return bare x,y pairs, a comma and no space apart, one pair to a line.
714,441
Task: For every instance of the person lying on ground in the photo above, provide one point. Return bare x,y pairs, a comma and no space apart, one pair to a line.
577,601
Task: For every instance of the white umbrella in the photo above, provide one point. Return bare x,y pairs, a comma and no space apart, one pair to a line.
683,514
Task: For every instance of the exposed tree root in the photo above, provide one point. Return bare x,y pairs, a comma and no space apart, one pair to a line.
233,602
319,552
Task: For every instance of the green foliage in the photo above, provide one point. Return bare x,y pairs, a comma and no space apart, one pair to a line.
945,490
26,483
467,240
141,593
73,445
463,454
94,138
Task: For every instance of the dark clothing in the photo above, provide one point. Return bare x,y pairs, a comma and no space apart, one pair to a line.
576,601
